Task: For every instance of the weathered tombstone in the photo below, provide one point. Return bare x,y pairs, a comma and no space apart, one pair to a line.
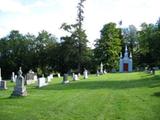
85,73
101,68
65,79
13,79
35,78
49,78
42,82
3,85
75,77
59,75
0,75
19,89
104,72
97,74
29,79
79,75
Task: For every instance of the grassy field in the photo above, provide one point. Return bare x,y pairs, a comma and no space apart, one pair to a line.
119,96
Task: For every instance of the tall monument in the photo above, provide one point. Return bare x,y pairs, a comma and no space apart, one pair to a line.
126,63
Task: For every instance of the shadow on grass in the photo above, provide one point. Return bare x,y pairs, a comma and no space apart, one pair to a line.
82,84
157,94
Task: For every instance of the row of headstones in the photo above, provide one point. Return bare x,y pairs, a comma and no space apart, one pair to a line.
20,89
75,77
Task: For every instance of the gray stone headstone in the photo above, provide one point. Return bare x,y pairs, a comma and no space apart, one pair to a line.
59,75
19,89
65,79
0,75
29,78
3,85
97,74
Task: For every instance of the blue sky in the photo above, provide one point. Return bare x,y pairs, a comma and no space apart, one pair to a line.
35,15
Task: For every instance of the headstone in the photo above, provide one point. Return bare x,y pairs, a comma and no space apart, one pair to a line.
49,78
42,82
13,79
85,73
19,89
35,78
3,85
65,79
29,79
59,75
75,77
104,71
101,68
0,75
79,75
97,74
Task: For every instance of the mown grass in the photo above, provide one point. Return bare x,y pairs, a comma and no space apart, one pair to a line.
118,96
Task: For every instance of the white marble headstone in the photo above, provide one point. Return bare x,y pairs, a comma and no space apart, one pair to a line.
85,73
42,82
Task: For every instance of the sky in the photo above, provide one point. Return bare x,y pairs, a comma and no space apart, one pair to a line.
32,16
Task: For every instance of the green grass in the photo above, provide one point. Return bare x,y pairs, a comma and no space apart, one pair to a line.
119,96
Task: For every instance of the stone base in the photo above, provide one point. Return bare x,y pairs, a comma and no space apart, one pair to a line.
19,92
29,82
65,82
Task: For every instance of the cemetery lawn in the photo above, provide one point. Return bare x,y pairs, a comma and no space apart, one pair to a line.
117,96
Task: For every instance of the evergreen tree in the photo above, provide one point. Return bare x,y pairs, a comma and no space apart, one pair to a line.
108,47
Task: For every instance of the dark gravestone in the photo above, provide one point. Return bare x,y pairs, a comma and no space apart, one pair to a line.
29,79
65,79
3,85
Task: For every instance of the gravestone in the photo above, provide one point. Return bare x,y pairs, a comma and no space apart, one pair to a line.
97,74
104,72
29,78
13,79
59,75
3,85
85,73
50,77
75,77
65,79
79,75
19,89
42,82
101,68
0,75
35,78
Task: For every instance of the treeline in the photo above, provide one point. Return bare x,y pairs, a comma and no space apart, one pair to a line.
45,54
